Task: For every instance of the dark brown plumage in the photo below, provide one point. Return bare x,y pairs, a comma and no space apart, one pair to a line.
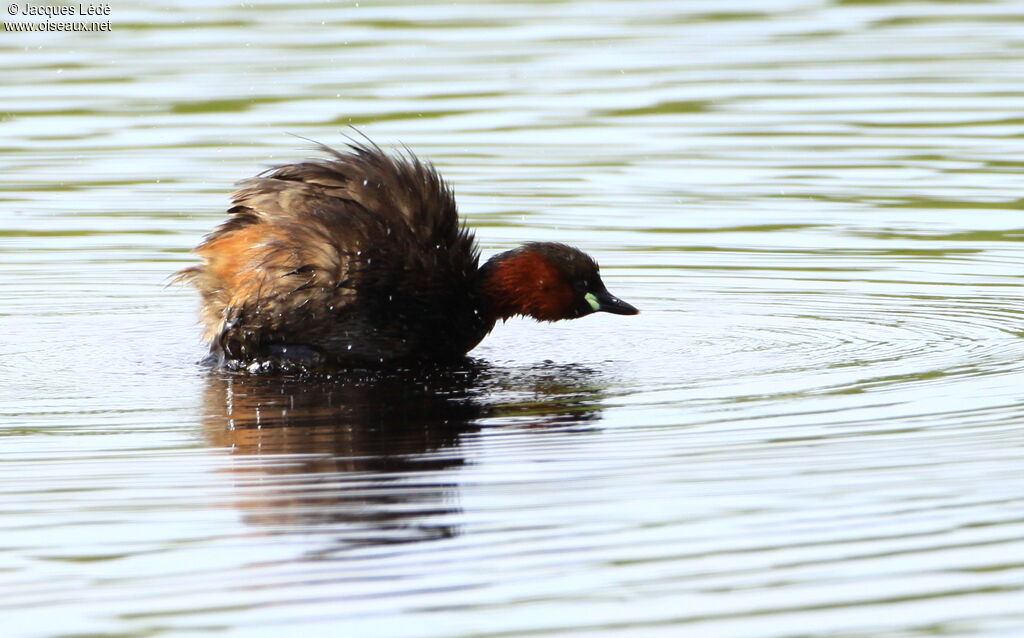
360,259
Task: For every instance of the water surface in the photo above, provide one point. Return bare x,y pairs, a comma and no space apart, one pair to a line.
812,429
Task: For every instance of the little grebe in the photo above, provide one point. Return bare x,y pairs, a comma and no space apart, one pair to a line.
360,259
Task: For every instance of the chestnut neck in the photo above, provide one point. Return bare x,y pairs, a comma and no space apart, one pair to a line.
495,299
523,282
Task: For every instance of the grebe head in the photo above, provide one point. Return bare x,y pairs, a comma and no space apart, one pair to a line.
547,281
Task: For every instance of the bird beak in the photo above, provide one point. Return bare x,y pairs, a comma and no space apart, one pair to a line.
605,301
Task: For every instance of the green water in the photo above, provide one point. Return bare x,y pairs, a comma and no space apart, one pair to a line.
812,429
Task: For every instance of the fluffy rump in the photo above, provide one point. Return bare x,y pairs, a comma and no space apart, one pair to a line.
354,253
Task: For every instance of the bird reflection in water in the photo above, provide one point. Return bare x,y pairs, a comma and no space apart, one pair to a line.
372,456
